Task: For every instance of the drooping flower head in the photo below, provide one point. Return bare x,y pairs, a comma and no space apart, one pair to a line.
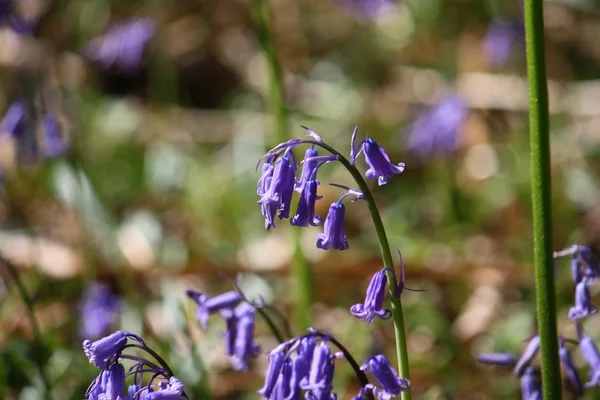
567,362
309,164
99,308
583,302
390,384
334,235
245,348
278,194
436,130
104,351
373,305
123,45
107,355
530,385
210,305
592,355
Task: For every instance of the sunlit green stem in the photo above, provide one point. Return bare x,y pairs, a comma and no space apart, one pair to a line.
541,197
276,103
397,315
37,335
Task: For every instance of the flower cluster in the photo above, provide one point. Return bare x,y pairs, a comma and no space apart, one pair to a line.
240,318
306,364
584,269
107,353
278,182
11,18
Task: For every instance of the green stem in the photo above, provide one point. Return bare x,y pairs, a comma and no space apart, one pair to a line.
397,314
276,104
541,198
34,325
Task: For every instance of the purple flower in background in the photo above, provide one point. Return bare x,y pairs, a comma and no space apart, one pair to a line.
102,352
590,353
373,305
436,130
530,385
390,384
334,235
500,359
569,368
277,357
171,390
368,9
13,124
210,305
583,302
55,144
528,354
499,40
245,348
123,45
10,17
99,308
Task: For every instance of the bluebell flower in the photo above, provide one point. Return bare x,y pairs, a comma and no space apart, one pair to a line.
500,359
55,144
499,41
13,123
567,362
390,384
530,385
319,381
277,358
379,162
102,352
10,17
210,305
107,355
590,353
583,302
123,45
268,209
373,305
309,164
278,195
436,130
529,353
99,308
305,213
245,348
334,235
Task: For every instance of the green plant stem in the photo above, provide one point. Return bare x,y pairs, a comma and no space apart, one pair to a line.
37,335
541,198
397,314
302,273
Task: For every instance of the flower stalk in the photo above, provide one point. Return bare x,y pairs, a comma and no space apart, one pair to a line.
397,314
541,197
302,276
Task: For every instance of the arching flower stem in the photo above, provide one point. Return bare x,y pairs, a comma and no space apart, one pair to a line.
397,314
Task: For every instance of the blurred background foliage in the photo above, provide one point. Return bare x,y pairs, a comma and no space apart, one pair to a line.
157,192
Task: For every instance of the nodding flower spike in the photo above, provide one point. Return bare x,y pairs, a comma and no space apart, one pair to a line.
379,162
530,385
334,235
373,305
103,351
583,302
569,368
390,383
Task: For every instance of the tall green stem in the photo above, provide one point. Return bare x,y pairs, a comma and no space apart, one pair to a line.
541,197
276,103
397,314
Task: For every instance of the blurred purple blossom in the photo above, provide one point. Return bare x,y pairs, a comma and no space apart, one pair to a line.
373,305
364,10
99,309
499,40
123,45
9,16
13,123
436,130
54,143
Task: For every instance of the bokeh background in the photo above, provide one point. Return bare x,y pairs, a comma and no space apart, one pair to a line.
155,191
